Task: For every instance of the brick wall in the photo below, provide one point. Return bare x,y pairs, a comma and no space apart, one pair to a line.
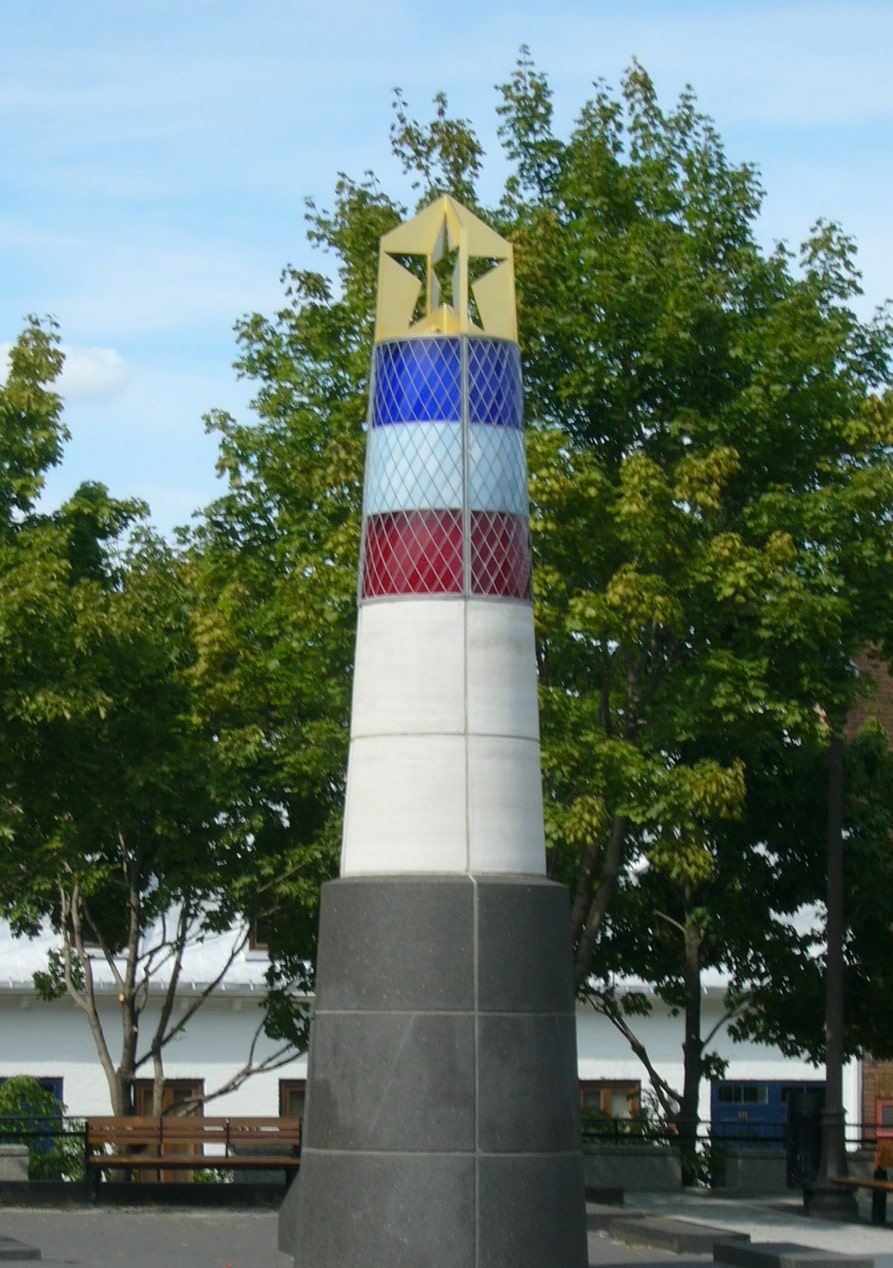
877,1082
878,705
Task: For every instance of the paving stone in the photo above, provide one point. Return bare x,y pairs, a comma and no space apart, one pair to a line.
10,1249
785,1255
602,1215
679,1236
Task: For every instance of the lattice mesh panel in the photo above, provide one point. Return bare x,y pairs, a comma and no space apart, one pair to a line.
416,466
417,380
413,553
497,470
494,383
419,479
500,555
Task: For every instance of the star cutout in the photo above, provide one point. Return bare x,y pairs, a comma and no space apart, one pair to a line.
424,285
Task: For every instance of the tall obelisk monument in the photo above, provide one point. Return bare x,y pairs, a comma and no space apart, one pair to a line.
441,1115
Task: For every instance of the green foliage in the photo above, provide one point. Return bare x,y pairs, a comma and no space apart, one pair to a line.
122,829
711,501
213,1175
443,157
785,964
31,430
711,496
600,1128
32,1116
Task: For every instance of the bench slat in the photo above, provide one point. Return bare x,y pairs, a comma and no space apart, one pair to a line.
141,1141
849,1182
190,1162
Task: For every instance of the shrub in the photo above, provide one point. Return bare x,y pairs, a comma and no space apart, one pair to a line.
33,1116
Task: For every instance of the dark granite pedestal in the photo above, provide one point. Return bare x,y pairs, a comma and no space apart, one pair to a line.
828,1202
441,1112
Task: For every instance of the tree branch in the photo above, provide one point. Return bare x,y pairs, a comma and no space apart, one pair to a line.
667,1095
601,900
274,1061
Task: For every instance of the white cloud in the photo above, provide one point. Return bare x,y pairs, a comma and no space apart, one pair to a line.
152,445
92,374
154,176
89,376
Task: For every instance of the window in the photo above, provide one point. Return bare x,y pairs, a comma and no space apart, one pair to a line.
743,1094
258,934
291,1098
617,1098
884,1117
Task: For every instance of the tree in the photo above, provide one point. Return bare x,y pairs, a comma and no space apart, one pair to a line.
711,498
116,817
785,968
32,434
31,439
274,568
710,409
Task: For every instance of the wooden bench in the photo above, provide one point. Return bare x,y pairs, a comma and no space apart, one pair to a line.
189,1143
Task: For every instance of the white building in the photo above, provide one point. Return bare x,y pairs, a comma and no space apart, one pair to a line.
755,1083
52,1042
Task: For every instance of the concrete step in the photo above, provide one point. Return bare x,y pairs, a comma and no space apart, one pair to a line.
679,1236
604,1195
600,1216
785,1255
10,1249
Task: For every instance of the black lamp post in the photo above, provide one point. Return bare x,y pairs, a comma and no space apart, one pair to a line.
823,1198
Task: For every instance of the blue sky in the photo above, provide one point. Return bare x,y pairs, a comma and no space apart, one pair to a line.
155,156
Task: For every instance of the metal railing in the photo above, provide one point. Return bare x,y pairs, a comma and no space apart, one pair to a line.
629,1131
55,1144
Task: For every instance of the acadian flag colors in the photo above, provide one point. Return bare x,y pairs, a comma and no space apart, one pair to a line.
444,771
446,478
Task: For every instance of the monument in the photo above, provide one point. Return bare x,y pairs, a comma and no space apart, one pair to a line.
441,1123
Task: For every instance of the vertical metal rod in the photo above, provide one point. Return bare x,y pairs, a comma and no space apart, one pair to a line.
834,1002
827,1199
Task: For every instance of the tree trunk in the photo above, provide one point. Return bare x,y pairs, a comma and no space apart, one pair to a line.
121,1094
692,1049
586,937
126,1071
158,1082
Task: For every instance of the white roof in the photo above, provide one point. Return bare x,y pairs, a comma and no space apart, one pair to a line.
20,958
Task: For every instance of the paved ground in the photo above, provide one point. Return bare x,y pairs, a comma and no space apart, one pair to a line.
766,1221
102,1237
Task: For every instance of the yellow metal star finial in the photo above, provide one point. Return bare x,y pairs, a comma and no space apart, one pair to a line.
483,306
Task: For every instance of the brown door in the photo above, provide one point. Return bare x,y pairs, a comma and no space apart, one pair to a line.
176,1092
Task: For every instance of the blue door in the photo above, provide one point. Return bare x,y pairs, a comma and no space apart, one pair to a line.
755,1111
